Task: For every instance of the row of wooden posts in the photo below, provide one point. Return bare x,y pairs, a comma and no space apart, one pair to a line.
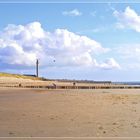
69,87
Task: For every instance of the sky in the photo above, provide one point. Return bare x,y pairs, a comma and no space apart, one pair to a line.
85,40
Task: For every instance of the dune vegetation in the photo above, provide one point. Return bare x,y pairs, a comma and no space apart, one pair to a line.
19,76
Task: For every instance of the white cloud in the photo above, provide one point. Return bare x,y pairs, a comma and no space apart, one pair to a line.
109,64
129,51
22,45
74,12
128,54
94,30
128,19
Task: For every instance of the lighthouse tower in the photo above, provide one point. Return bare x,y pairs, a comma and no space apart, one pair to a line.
37,63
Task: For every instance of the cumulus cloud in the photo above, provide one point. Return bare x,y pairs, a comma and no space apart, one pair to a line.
128,19
109,64
74,12
23,44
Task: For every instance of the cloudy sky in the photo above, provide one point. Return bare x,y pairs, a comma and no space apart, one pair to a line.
95,41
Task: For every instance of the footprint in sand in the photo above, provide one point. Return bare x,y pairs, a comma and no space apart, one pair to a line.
134,103
11,133
101,128
53,117
114,103
114,123
133,110
117,125
134,125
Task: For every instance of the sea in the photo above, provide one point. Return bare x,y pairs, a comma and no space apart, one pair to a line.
128,83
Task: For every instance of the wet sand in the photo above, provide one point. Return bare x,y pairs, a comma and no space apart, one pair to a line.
69,113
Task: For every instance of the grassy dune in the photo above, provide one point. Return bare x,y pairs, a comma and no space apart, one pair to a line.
19,76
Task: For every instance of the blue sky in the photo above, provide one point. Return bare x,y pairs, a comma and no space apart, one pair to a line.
95,41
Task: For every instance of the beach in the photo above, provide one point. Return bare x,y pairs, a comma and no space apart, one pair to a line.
69,113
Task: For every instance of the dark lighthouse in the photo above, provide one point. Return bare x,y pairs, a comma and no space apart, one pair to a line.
37,63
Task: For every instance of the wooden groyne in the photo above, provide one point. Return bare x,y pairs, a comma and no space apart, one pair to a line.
55,86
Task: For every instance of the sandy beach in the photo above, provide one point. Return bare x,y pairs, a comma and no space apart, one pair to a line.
69,113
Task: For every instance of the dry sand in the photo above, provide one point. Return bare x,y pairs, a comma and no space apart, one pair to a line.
69,113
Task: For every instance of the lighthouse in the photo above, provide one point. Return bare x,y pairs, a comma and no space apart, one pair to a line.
37,63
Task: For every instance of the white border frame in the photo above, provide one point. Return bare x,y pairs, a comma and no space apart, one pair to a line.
72,2
68,2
